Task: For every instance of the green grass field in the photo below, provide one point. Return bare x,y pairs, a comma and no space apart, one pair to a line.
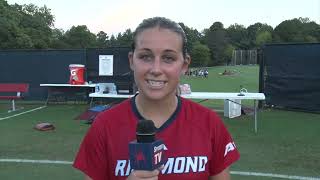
287,142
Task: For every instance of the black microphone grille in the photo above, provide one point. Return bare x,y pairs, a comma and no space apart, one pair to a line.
145,131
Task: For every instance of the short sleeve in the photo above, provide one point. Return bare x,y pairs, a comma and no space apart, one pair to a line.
224,151
91,158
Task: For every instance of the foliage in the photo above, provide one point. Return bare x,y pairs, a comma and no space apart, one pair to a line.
102,39
57,39
238,36
30,27
125,39
228,51
113,41
200,55
192,36
80,37
25,26
254,30
216,39
263,37
297,30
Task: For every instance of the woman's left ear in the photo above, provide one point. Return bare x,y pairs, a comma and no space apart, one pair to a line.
130,57
186,63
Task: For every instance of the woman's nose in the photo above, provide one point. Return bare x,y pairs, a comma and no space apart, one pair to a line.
156,66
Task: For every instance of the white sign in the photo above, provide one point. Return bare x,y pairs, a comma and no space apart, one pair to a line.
105,65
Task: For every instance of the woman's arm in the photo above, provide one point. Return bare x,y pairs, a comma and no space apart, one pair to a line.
224,175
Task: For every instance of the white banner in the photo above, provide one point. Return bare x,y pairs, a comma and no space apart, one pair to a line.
105,65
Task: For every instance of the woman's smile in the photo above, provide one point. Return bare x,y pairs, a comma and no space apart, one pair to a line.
156,84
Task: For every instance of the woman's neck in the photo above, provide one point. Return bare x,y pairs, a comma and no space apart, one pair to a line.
157,111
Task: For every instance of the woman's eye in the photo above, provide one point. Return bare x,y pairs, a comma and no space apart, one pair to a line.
145,57
168,59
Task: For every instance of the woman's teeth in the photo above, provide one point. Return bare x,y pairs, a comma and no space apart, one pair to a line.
156,83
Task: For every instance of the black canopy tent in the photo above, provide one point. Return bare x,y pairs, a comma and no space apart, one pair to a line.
290,75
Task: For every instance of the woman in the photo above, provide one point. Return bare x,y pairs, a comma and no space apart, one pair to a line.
198,144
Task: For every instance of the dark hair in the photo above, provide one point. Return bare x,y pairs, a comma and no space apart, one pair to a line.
161,22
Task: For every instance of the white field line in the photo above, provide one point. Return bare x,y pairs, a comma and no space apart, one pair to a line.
31,110
35,161
259,174
283,176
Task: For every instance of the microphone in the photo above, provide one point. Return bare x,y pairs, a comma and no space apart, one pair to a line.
146,152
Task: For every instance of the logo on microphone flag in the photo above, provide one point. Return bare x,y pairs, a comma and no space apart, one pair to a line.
140,158
147,156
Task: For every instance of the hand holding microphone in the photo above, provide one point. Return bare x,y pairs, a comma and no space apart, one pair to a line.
141,174
146,152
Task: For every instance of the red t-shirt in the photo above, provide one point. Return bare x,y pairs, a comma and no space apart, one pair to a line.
198,144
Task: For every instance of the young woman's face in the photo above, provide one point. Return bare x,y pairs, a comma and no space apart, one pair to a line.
157,62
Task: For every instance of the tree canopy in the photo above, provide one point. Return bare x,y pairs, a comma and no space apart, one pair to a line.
30,27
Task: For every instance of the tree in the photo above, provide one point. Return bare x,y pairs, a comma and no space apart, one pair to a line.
200,55
238,36
228,51
192,36
102,39
216,39
311,30
80,37
263,37
57,39
25,26
289,31
113,41
216,26
297,30
36,23
125,39
11,34
254,30
311,39
28,26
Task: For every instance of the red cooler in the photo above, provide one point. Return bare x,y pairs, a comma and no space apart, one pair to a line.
76,73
